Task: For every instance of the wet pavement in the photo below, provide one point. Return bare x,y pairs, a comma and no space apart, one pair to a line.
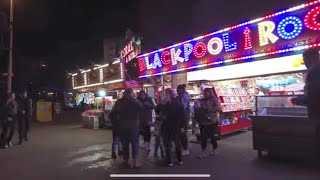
68,151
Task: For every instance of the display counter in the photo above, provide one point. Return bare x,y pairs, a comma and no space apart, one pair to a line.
281,128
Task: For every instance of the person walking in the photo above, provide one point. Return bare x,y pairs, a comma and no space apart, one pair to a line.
207,117
146,117
116,143
173,126
184,99
160,117
128,109
10,115
24,116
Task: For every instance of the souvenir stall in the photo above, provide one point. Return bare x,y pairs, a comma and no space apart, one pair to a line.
241,62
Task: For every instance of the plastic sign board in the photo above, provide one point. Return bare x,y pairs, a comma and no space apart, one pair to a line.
282,33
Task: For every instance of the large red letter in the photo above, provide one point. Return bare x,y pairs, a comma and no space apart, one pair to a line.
311,19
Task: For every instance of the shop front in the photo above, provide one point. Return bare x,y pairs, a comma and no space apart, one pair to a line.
255,58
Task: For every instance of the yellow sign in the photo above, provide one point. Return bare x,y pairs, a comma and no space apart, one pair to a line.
44,111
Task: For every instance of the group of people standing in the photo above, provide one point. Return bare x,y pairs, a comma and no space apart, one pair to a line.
15,112
132,116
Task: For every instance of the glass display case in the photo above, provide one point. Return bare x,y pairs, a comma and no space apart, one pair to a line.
279,106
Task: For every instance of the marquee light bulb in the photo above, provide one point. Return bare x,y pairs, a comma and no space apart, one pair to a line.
175,56
188,47
165,58
199,50
142,64
297,28
227,46
311,19
266,29
219,47
156,61
147,61
247,39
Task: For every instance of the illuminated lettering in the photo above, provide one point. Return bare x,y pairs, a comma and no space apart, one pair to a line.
218,48
266,29
295,32
166,58
227,46
142,64
149,65
199,50
187,51
247,39
175,56
156,61
311,19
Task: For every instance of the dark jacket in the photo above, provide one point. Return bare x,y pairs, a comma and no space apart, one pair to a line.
126,112
207,113
146,112
175,117
184,99
313,92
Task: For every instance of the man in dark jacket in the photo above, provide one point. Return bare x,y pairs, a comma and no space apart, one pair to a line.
311,96
184,99
24,116
10,113
127,110
173,126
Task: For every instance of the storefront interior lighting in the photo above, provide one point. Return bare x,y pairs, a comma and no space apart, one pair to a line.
102,93
316,11
75,74
235,60
85,78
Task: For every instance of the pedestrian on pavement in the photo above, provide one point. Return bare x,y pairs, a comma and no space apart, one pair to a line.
311,97
128,109
207,116
116,143
146,117
3,119
10,117
184,99
160,117
24,116
173,126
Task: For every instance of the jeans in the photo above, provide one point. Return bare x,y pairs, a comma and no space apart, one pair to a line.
23,126
158,144
116,143
209,132
146,133
8,127
184,139
129,136
168,139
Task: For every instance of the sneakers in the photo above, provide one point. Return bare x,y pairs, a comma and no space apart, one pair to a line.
202,155
114,156
147,146
180,163
9,144
185,152
213,152
170,164
137,164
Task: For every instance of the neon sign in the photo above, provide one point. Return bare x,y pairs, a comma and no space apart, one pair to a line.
286,31
130,51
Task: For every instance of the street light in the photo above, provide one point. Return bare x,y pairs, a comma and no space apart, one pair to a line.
10,74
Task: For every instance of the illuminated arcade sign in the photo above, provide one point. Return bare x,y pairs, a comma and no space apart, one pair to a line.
130,51
286,31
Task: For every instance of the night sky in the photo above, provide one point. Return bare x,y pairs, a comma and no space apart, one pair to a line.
42,27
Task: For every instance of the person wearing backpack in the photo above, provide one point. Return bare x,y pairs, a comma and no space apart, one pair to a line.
207,116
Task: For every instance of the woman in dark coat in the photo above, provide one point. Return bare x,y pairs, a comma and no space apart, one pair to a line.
208,119
146,117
